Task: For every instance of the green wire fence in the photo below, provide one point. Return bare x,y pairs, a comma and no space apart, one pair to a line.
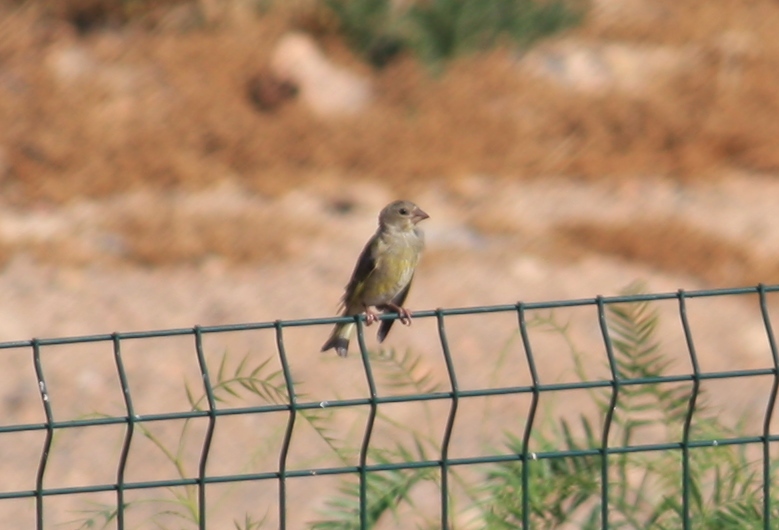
296,406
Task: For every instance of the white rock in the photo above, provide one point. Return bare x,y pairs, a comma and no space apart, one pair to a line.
71,64
328,89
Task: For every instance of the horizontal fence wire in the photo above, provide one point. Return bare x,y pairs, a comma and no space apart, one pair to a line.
297,404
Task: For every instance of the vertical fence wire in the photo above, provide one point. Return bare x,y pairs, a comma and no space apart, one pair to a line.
205,451
366,441
531,416
696,383
44,460
285,444
128,433
769,410
454,403
615,385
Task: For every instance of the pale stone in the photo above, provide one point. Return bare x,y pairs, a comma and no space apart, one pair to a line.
326,88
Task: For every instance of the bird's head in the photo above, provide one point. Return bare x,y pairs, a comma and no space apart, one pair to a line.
401,214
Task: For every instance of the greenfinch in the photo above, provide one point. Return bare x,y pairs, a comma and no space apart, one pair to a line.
383,273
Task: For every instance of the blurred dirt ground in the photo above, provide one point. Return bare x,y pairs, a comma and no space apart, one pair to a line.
111,109
98,101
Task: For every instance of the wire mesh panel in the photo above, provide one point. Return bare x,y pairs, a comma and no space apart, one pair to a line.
611,412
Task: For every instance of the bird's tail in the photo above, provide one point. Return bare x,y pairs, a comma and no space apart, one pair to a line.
384,328
339,338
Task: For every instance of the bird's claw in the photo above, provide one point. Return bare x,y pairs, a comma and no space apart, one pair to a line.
370,317
404,315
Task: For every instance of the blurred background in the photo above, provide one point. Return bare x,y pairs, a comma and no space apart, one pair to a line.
166,163
228,143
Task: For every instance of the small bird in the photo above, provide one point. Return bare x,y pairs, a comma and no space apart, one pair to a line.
383,273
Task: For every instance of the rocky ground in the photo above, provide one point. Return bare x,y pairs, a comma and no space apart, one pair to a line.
142,189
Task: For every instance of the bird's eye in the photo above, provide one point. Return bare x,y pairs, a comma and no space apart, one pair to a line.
403,211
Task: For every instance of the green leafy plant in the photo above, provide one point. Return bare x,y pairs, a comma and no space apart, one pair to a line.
406,374
443,29
242,382
371,27
645,488
439,30
384,491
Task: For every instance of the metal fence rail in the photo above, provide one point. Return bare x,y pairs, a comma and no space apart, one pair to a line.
443,463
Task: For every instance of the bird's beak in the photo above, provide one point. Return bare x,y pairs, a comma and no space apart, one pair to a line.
419,215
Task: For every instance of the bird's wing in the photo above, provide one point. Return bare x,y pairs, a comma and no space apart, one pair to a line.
386,325
364,267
